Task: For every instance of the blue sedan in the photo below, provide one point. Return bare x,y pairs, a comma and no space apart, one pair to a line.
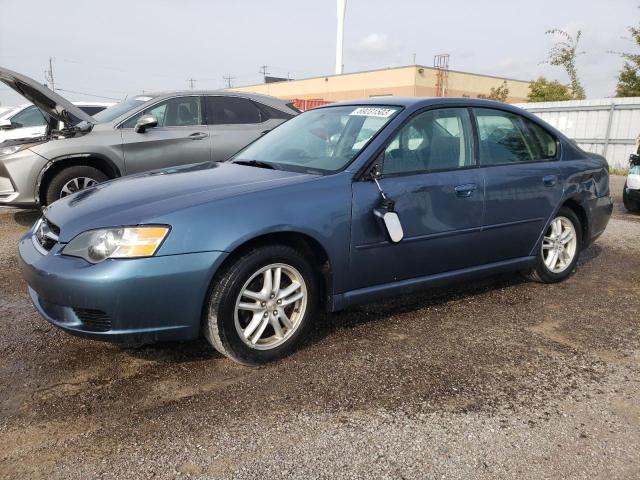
344,204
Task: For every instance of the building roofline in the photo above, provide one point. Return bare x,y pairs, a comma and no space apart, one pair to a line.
380,70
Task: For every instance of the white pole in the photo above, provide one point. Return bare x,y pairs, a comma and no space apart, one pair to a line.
342,5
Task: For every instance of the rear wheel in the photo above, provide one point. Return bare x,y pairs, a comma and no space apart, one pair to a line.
72,180
559,250
262,305
630,204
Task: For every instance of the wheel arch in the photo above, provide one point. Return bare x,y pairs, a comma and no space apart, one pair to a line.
303,242
56,165
576,207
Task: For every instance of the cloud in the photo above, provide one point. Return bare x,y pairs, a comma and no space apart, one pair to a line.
374,43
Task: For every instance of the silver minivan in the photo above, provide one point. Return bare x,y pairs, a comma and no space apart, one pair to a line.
144,132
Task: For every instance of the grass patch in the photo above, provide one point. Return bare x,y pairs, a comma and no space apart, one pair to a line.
618,171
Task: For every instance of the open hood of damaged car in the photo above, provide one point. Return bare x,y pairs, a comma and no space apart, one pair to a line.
45,99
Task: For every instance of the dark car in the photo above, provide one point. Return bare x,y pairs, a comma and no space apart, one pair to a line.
341,205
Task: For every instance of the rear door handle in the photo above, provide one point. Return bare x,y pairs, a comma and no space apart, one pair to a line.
550,180
198,135
466,190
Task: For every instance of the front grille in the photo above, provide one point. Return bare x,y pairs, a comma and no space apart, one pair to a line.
45,235
95,319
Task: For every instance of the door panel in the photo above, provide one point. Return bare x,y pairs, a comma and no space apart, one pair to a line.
522,184
180,137
441,227
227,140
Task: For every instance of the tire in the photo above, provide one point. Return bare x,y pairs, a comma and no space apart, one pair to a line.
85,176
239,333
541,271
632,206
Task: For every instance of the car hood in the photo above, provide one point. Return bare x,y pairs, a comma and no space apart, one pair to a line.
46,100
143,198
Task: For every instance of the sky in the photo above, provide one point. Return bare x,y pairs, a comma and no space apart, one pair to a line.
104,50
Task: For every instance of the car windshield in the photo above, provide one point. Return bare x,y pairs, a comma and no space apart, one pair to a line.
322,140
113,112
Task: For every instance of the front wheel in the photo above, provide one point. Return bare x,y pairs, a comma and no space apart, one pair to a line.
72,180
260,307
559,249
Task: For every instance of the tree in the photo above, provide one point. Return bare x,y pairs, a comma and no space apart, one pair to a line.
543,90
629,78
497,93
563,54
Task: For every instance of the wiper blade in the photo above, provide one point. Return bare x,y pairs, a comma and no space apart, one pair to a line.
255,163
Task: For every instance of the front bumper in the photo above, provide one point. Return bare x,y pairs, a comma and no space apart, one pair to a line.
137,300
632,194
18,178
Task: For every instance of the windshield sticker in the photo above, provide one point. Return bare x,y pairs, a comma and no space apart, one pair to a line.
373,112
143,99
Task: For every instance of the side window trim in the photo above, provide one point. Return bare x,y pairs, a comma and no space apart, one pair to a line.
166,99
555,158
475,163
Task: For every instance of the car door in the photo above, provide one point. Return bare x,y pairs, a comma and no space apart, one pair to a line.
429,171
519,163
181,137
235,122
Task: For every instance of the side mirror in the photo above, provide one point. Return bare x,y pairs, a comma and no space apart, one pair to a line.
376,170
5,124
391,222
144,122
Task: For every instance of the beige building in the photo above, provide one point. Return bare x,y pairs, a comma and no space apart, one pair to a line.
413,80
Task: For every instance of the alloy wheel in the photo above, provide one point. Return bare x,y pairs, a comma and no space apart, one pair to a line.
270,306
559,245
76,184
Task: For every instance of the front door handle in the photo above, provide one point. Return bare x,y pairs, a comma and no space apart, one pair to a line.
466,190
550,180
198,135
265,131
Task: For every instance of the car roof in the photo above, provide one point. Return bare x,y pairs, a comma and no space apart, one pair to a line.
419,102
226,93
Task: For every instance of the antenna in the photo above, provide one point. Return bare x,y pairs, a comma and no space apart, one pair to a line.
342,5
191,82
228,79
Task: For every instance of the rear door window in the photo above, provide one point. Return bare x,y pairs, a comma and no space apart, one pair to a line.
223,110
505,137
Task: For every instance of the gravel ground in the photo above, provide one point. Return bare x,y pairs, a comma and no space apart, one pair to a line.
494,379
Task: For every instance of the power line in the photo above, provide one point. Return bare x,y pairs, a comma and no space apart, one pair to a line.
264,70
85,93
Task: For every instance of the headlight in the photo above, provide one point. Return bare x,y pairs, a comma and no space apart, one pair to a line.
8,150
123,242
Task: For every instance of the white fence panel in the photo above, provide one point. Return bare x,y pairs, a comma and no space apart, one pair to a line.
608,126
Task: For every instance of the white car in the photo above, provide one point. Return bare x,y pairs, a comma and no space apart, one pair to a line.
27,121
631,192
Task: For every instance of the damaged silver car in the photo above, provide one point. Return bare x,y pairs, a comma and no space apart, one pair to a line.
144,132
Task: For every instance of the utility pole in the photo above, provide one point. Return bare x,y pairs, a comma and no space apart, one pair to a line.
48,75
342,6
264,70
228,79
192,82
